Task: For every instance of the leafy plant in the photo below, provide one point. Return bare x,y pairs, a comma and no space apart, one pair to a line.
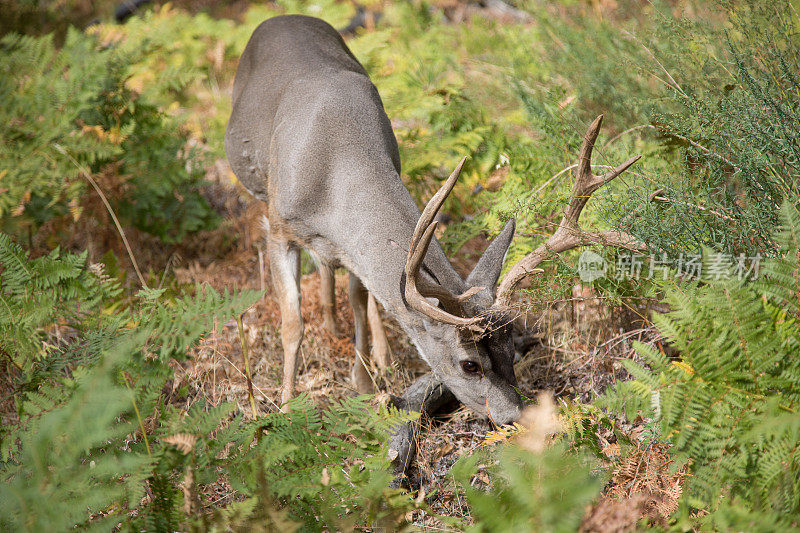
91,366
729,406
68,115
325,469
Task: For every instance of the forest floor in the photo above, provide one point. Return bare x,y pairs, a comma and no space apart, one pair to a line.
572,348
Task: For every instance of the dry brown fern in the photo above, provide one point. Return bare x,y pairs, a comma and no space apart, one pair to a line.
183,441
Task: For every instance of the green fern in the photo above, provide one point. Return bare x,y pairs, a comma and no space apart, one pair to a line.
69,111
80,394
56,290
80,398
731,407
331,463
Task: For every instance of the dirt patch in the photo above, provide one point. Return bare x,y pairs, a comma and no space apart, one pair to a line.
216,370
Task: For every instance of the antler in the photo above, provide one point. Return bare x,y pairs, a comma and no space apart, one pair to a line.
418,287
569,233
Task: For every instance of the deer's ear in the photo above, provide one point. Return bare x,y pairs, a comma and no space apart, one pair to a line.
487,271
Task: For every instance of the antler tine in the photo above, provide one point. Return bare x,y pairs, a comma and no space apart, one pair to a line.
417,254
585,181
416,288
569,235
435,203
587,147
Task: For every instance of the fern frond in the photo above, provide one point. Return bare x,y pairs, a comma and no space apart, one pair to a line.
738,375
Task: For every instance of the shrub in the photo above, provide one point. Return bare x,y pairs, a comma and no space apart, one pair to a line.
710,91
68,113
729,405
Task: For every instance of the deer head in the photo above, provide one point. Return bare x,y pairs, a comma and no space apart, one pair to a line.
468,336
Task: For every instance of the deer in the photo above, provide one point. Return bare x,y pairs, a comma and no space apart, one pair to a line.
309,136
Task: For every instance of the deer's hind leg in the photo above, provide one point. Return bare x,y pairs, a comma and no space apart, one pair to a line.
284,266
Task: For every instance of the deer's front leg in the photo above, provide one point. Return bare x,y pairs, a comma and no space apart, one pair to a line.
381,352
327,292
358,300
427,396
284,266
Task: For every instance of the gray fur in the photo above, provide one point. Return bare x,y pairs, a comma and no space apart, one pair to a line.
308,135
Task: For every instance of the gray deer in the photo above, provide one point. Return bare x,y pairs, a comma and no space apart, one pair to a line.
309,136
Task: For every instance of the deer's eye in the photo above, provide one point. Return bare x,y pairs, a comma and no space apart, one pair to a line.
471,367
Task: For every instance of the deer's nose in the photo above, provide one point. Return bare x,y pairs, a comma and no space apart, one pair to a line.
504,415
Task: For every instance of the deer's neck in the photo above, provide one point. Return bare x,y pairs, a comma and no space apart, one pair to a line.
375,220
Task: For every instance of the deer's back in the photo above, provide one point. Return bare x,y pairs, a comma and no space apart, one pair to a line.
302,104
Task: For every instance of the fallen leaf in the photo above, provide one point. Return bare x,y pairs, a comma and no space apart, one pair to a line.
443,450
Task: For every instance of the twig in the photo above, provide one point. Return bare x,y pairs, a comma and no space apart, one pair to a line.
675,83
138,414
703,149
559,173
256,387
689,204
246,355
629,130
89,178
360,357
166,269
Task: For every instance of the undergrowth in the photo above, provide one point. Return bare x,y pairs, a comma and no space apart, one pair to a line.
97,440
729,405
70,116
710,98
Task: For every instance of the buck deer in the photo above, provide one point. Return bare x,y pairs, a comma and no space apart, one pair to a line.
309,136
